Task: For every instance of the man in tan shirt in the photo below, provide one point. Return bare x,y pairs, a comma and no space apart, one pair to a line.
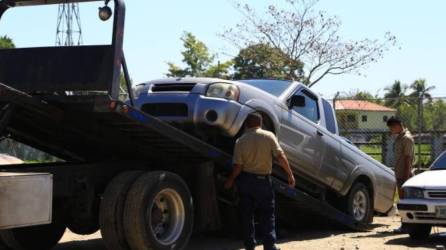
403,151
404,156
252,167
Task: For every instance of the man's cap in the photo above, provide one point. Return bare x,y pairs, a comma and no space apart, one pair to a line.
394,121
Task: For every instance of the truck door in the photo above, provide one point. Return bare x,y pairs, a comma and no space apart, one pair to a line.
300,137
332,170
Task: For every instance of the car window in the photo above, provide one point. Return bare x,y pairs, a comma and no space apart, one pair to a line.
329,116
440,162
311,109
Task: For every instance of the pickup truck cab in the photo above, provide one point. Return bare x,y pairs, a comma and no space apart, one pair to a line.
329,166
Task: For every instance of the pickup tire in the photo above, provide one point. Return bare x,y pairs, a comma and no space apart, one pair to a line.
158,212
418,231
359,203
111,211
33,238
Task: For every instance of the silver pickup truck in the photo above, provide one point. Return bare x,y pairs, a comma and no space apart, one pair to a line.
304,123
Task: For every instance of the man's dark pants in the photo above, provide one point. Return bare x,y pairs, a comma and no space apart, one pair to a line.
257,197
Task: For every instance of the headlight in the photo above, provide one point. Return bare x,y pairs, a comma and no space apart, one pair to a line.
413,193
223,90
138,90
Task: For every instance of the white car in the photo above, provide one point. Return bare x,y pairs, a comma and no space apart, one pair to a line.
424,201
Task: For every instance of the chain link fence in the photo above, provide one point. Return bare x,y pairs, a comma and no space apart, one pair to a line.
363,122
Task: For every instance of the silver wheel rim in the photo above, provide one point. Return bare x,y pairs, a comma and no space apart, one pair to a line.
166,216
359,205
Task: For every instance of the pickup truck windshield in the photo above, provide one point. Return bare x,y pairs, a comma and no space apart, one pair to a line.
440,162
274,87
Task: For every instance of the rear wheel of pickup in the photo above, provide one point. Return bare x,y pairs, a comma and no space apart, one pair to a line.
111,211
359,203
158,212
418,231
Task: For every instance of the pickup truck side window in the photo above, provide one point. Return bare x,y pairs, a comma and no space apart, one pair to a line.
311,109
329,116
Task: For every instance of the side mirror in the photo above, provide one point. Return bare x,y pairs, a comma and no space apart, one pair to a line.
297,101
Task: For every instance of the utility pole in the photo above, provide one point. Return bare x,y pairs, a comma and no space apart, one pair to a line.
69,30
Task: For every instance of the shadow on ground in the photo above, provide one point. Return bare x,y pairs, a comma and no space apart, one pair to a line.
306,231
431,242
228,241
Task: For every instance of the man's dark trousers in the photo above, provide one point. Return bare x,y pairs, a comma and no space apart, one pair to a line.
257,197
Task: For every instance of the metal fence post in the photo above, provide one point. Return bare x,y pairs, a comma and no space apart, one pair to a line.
437,142
420,128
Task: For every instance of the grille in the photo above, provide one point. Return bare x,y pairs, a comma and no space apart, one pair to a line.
166,109
412,207
173,87
437,194
428,216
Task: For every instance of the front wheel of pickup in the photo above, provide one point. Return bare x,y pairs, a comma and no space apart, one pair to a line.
158,213
359,204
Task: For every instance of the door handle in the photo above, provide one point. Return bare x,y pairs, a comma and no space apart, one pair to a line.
319,133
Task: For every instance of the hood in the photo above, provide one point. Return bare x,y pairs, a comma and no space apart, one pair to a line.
435,179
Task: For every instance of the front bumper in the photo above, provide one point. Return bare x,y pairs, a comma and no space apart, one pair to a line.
225,115
422,211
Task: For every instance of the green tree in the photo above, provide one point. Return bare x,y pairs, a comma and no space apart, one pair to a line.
420,89
358,95
198,60
264,61
434,115
396,95
6,43
307,35
220,70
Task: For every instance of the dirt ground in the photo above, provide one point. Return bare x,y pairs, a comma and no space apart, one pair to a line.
314,238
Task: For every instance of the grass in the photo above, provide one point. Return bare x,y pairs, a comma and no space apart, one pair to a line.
375,151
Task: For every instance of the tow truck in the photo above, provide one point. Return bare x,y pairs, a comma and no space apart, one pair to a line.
143,183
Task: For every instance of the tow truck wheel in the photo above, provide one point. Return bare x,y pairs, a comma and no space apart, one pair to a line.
33,238
111,212
359,204
158,212
3,245
418,231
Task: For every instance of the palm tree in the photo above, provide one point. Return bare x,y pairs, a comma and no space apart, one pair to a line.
421,90
6,43
396,95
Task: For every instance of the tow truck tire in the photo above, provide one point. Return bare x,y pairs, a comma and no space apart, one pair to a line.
359,204
158,212
33,238
111,211
418,231
3,245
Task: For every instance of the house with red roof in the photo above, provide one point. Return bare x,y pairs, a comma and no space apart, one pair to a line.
354,115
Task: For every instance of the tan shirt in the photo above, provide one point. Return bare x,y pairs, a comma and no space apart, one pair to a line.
404,146
254,151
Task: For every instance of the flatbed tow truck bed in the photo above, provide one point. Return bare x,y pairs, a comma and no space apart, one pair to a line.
90,128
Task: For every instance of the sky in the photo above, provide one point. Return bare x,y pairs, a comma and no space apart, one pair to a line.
154,28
